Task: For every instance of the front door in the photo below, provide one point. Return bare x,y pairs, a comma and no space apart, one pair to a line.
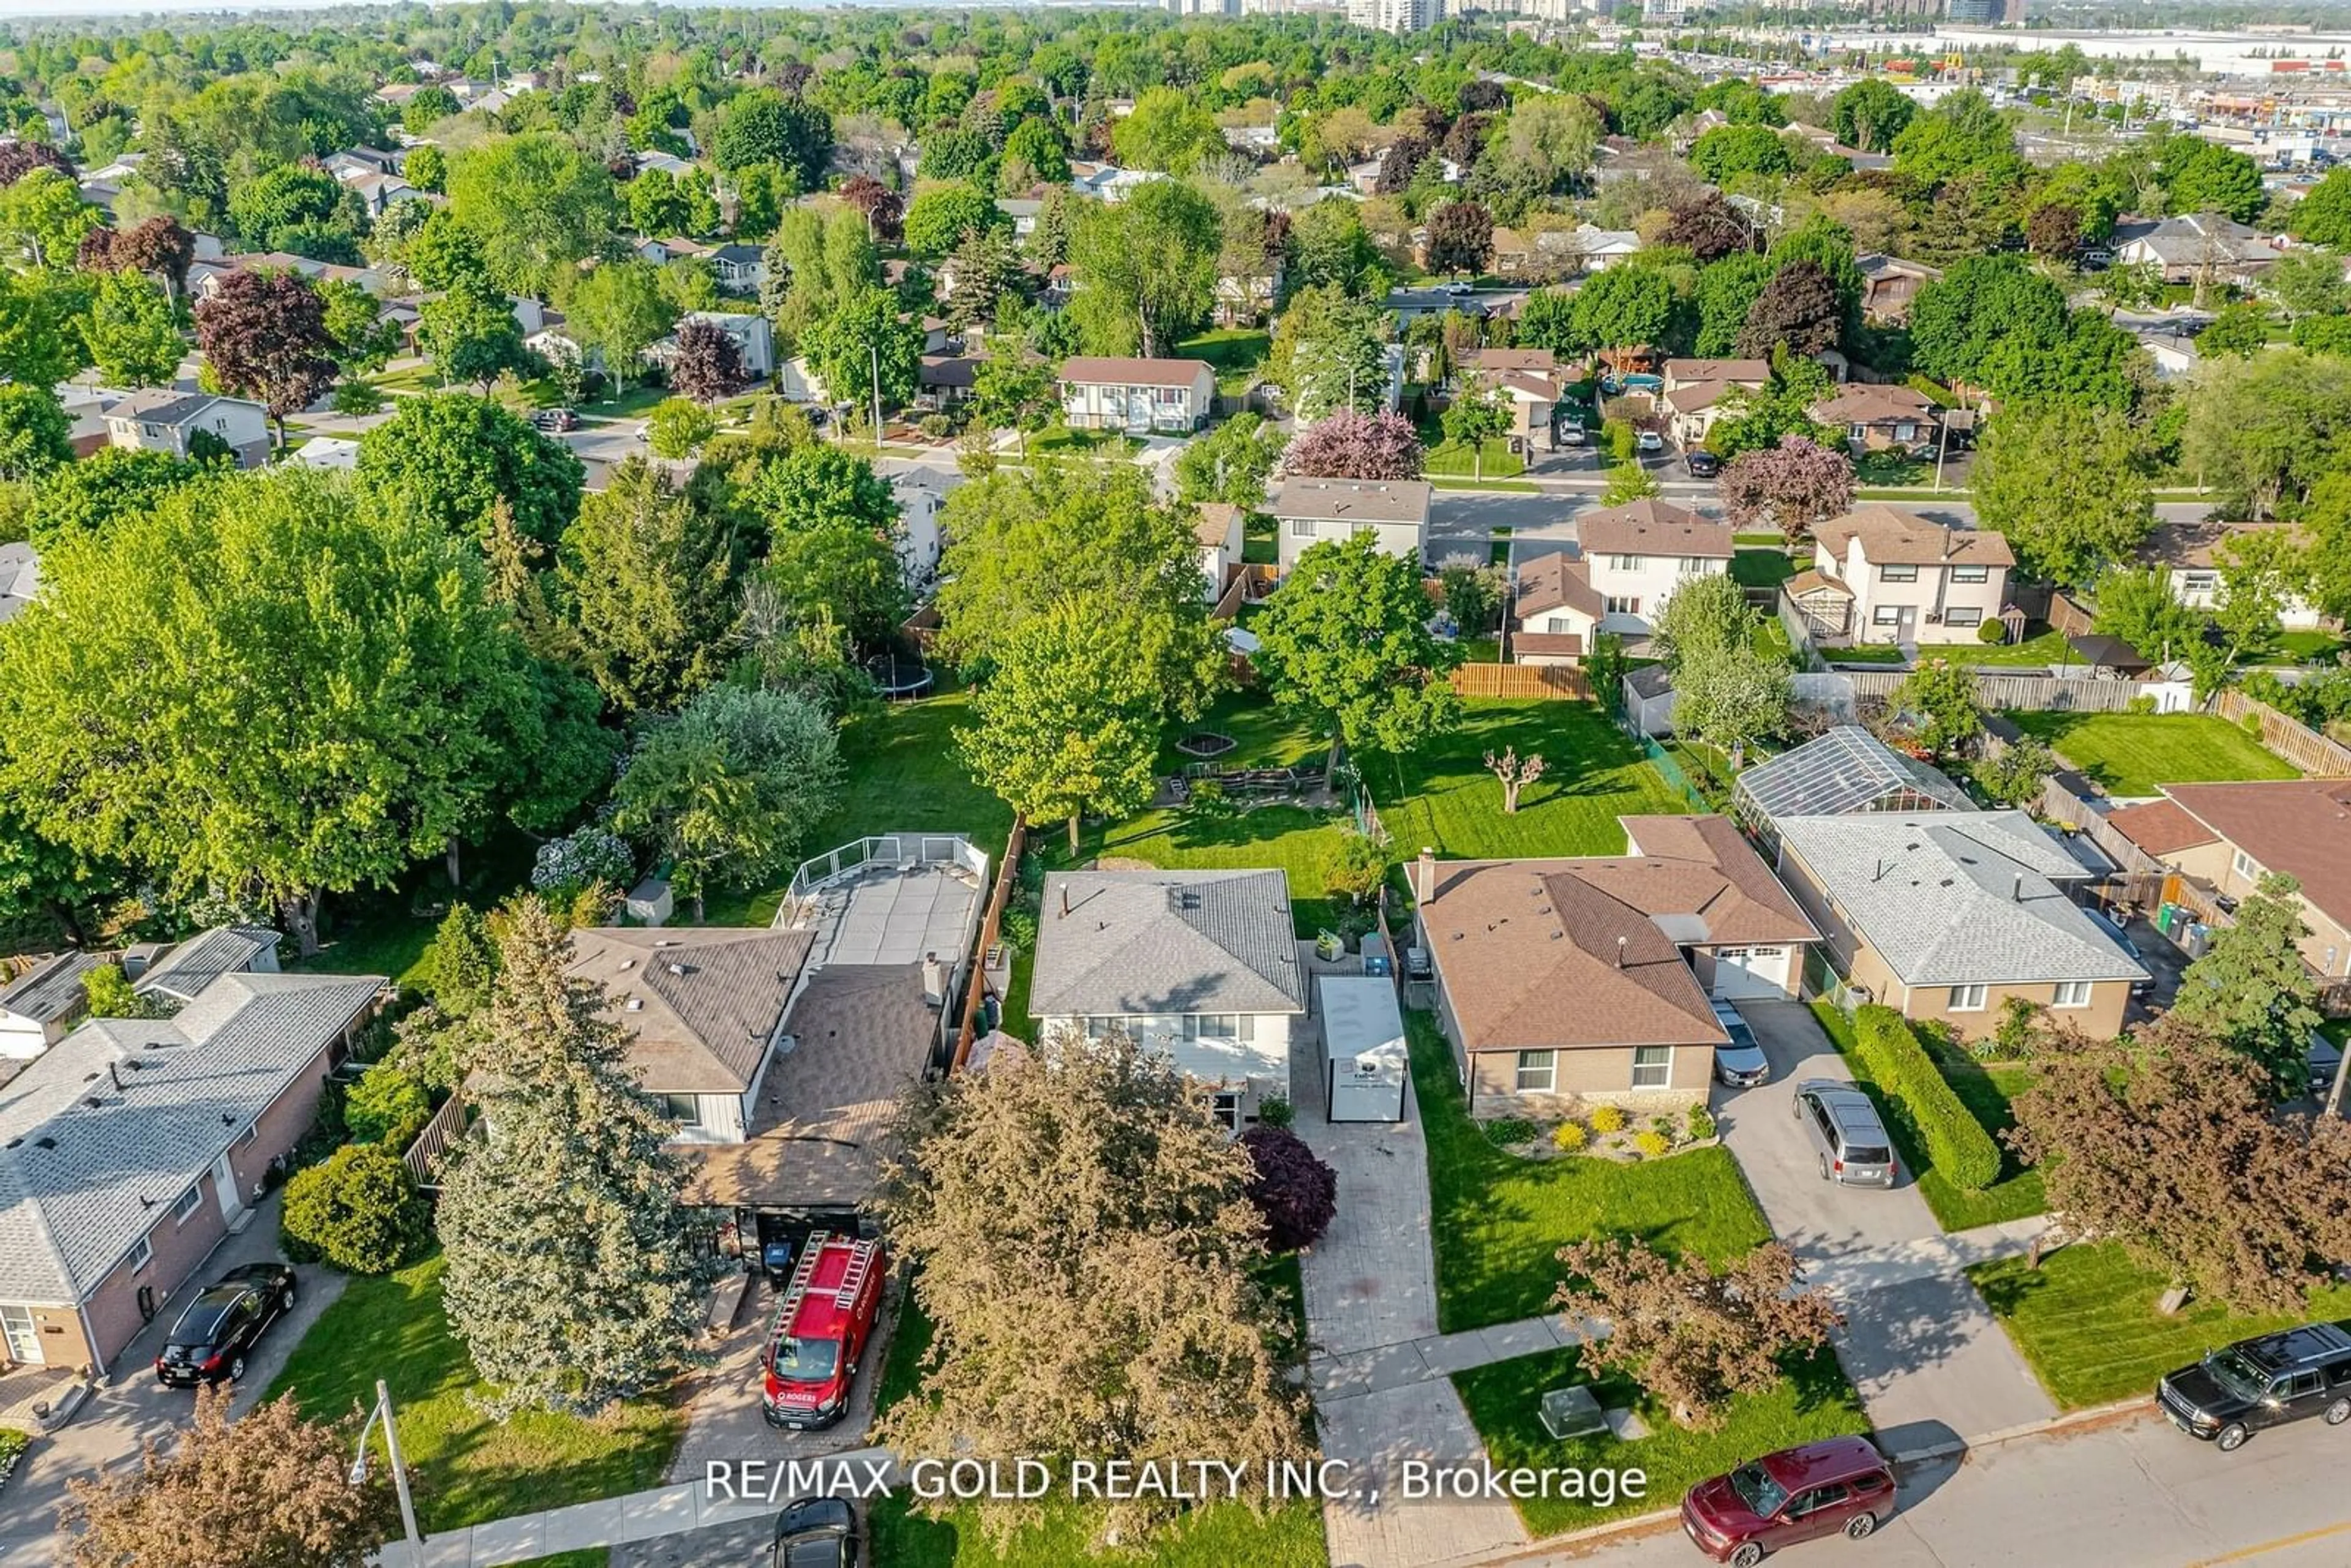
232,1203
23,1336
1906,628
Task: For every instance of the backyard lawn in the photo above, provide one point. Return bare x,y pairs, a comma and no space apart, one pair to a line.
1238,354
901,775
2135,753
1504,1400
2049,649
1592,775
1864,653
469,1467
2087,1324
1498,1218
1985,1089
1761,568
1452,460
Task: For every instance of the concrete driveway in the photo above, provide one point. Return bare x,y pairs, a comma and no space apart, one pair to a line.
1819,1221
1929,1361
110,1426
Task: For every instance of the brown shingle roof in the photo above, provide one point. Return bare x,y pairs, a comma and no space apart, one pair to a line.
706,1000
1135,372
2298,826
1692,396
1680,370
1810,582
1653,527
2191,544
1498,360
1889,537
1215,522
1557,581
1352,501
1541,954
1862,402
2160,827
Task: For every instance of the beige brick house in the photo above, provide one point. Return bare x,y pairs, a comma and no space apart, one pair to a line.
1563,984
2226,835
1880,575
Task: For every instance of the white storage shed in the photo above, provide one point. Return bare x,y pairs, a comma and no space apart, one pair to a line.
1364,1053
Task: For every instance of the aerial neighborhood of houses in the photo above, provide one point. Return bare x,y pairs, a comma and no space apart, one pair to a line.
1275,782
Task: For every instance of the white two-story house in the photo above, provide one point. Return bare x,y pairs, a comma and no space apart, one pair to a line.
1308,511
1139,396
1635,556
2192,551
158,419
1880,575
1202,965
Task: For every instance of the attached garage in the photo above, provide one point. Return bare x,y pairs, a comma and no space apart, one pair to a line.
1363,1054
1752,972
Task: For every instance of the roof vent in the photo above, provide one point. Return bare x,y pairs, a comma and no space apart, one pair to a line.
16,1143
636,1004
44,1143
628,964
677,968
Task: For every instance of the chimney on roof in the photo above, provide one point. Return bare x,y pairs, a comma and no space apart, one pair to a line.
115,1073
1950,538
1423,881
934,980
2016,888
1620,952
1065,901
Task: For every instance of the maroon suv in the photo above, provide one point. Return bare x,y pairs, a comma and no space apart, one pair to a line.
1839,1487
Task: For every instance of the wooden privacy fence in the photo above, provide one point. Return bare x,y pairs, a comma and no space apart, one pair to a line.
2059,804
1563,681
2033,693
1007,877
2288,738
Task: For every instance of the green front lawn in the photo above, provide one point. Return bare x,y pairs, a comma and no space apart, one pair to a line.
1592,775
1864,653
2135,753
901,775
1453,460
1761,567
1238,354
2086,1322
1986,1089
1504,1400
1499,1220
469,1469
2312,647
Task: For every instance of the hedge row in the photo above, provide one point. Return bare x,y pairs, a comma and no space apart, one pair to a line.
1956,1142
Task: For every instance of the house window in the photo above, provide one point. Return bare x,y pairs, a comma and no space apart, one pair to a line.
1904,573
1220,1026
142,1254
1224,1105
1970,615
244,1139
1859,433
187,1203
1653,1066
1906,433
2071,994
1887,615
1626,562
685,1110
1538,1072
1691,565
1968,998
2244,866
1617,604
1970,574
2199,582
23,1336
1302,528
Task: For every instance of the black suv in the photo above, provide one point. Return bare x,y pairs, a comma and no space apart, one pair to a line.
2265,1382
210,1342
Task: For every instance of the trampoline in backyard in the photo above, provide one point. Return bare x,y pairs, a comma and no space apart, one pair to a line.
898,677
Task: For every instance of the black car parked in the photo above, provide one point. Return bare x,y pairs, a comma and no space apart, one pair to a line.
1702,464
2263,1382
220,1328
815,1532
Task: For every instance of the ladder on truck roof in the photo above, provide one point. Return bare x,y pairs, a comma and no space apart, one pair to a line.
861,1262
802,1272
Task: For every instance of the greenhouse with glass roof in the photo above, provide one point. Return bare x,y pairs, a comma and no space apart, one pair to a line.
1846,770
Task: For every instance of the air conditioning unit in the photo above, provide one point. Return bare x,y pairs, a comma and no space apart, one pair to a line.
1934,618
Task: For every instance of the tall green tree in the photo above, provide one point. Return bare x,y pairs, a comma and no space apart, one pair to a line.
1013,389
2139,607
1345,642
43,215
458,458
620,310
1624,308
1230,464
1145,269
866,348
2264,431
471,335
2251,989
728,788
1068,719
576,1275
534,205
2065,484
339,700
130,331
1869,115
1024,540
647,578
1939,699
35,436
1169,131
1329,351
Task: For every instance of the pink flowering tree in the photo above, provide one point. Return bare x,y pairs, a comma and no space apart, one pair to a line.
1794,487
1352,445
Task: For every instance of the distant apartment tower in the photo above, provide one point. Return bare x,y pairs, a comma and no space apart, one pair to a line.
2011,14
1395,16
1667,11
1204,8
1973,12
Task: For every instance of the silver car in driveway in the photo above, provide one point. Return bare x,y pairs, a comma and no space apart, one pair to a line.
1846,1132
1740,1064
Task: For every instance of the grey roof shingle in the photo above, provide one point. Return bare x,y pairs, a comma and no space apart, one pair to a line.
1952,898
1159,942
702,1004
100,1136
50,990
183,972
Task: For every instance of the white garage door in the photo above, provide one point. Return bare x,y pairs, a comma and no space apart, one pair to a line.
1750,971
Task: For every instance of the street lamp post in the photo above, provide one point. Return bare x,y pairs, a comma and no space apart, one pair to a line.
382,1412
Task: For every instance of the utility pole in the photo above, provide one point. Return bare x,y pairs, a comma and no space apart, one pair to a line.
382,1412
874,352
